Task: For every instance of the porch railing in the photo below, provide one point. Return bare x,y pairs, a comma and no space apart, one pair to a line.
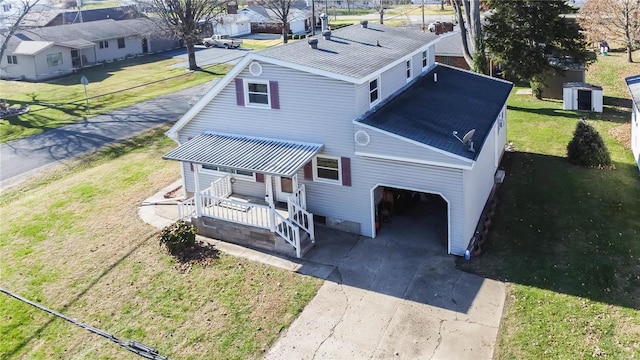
187,209
301,217
221,187
299,197
288,231
235,211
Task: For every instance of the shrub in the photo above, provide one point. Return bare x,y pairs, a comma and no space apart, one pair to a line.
587,147
178,236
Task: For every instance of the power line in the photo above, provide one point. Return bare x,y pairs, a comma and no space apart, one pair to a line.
133,346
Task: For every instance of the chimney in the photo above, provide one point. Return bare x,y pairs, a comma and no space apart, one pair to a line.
364,23
232,8
313,43
325,21
327,34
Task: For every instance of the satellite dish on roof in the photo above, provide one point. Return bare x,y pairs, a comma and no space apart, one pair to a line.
466,139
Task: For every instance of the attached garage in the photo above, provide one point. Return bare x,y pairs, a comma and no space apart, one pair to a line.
416,216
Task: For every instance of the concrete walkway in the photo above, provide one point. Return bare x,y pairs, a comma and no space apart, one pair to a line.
396,296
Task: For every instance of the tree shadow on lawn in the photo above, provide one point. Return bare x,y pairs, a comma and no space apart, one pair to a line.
566,229
611,113
38,333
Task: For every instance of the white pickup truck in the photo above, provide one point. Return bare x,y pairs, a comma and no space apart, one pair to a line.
223,41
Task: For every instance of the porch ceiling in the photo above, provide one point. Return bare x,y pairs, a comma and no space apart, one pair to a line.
260,155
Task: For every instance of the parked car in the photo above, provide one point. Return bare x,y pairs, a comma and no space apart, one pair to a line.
223,41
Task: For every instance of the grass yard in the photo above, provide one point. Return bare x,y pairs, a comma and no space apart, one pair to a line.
114,85
72,241
567,239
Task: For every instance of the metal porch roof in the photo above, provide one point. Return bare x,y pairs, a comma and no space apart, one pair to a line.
260,155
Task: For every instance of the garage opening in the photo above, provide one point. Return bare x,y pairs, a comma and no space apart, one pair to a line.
416,218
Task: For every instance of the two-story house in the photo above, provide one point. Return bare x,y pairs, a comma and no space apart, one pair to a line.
339,128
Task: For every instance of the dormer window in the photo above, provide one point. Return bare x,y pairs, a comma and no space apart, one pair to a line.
408,63
424,59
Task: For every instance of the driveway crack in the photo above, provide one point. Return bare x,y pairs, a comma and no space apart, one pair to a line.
435,349
333,328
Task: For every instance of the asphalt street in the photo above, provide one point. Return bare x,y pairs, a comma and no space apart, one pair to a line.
23,158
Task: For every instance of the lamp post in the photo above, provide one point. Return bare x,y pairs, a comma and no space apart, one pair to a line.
85,82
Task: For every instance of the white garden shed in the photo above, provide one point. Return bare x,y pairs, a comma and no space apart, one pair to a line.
582,97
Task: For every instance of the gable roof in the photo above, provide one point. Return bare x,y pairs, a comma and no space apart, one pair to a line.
633,82
352,55
429,111
353,51
450,44
32,47
81,34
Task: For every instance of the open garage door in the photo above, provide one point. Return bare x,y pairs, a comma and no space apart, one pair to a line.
415,218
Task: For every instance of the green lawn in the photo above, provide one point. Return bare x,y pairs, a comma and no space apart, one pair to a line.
72,241
114,85
564,238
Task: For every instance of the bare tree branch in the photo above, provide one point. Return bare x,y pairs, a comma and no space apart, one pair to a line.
14,21
281,9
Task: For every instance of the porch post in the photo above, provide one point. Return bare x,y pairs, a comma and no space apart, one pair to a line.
269,189
196,194
294,182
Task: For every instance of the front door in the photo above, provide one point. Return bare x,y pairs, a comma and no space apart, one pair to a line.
284,188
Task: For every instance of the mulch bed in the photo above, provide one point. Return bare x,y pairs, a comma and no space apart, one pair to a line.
200,255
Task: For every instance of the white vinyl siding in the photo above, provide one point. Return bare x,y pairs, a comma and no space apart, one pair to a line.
479,182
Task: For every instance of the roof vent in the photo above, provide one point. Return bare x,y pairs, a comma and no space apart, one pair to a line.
378,43
327,34
313,43
364,23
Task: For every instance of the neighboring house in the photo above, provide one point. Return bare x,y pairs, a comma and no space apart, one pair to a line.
77,16
232,24
633,82
44,53
333,128
449,50
10,10
265,20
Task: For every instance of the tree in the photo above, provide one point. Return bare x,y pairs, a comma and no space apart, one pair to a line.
587,147
612,20
381,7
281,9
12,20
184,19
531,39
471,29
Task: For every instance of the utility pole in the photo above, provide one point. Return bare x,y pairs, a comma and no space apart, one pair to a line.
422,15
313,17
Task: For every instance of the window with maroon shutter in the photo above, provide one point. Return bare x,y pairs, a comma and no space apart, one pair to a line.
346,171
308,171
239,92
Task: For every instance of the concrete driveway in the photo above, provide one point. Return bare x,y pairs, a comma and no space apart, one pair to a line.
396,296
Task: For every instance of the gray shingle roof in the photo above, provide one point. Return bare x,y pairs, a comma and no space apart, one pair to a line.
633,82
428,112
450,44
91,31
353,50
261,155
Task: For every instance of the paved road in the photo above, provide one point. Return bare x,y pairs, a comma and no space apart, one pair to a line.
23,158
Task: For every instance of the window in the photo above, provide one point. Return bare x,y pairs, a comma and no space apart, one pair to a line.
12,59
216,170
120,43
54,59
373,91
445,60
258,93
6,7
326,169
424,59
104,44
408,70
